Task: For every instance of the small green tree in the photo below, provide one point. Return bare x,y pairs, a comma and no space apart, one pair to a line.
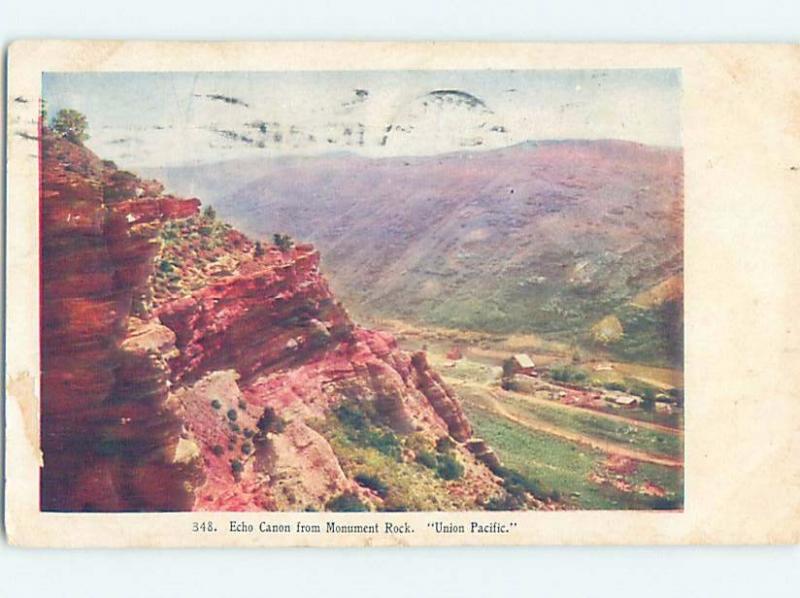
444,444
284,242
449,468
346,502
270,421
71,125
507,380
508,367
210,213
373,483
426,458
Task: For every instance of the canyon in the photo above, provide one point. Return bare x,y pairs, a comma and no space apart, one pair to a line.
545,237
185,366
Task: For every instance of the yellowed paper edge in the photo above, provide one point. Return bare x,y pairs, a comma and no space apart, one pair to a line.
741,135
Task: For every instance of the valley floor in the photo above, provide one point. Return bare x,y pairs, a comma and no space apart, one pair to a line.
595,454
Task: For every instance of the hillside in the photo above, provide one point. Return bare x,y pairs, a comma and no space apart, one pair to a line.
547,237
187,367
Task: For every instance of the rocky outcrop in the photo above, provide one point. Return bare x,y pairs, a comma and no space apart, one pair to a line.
185,367
304,468
255,320
484,453
367,364
106,437
224,428
441,398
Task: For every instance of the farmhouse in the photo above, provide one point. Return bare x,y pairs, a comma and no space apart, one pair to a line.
624,400
521,363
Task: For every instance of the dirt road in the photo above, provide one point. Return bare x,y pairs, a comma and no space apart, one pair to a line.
609,416
568,408
496,404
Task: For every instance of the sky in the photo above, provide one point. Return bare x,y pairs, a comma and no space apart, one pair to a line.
171,119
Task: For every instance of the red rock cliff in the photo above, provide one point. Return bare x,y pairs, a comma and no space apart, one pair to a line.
186,367
106,437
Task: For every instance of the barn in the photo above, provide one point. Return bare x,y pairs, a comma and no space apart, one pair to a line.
523,364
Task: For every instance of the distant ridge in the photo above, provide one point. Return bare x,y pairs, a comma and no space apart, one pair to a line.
547,236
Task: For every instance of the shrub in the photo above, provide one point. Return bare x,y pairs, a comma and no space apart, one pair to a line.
284,242
259,249
217,450
642,390
417,442
618,386
236,466
373,483
507,380
71,125
270,421
361,428
319,337
169,233
210,213
518,485
384,441
449,468
392,506
676,393
508,384
247,448
427,459
348,502
351,415
506,502
567,373
445,444
232,415
508,367
216,404
165,267
242,404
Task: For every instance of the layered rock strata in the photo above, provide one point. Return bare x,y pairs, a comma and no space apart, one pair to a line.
185,367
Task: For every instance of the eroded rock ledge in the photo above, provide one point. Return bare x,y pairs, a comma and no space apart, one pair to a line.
186,367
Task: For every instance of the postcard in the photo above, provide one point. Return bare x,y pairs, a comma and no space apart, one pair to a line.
351,294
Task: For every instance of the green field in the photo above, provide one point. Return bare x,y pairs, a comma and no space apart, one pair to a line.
585,422
567,467
670,420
